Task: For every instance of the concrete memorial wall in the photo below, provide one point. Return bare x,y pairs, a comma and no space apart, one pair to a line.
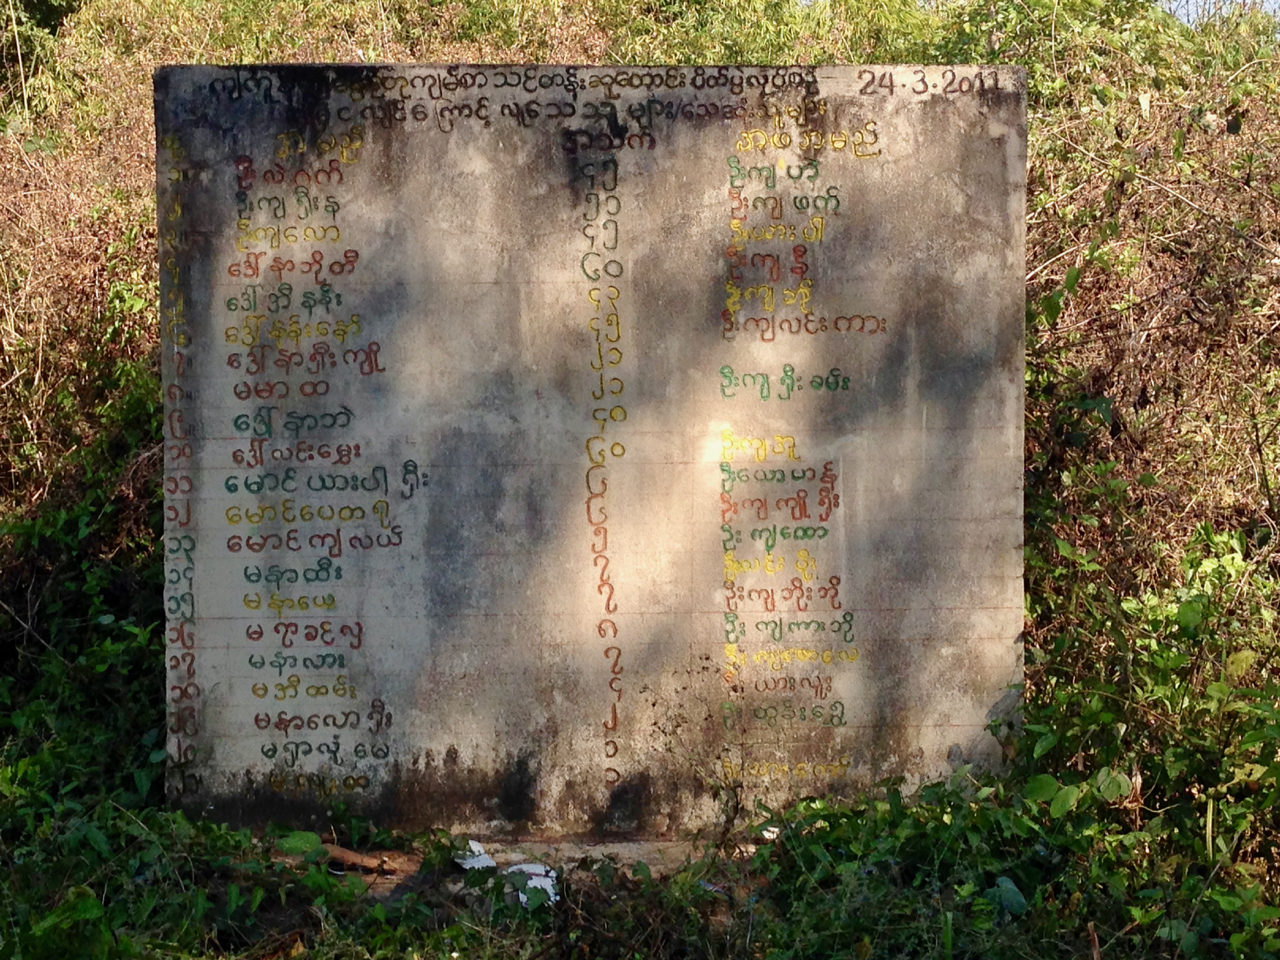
550,449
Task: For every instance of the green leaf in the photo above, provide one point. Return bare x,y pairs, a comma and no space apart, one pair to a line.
1064,801
1217,690
81,904
1051,307
98,842
1044,745
1041,787
1112,784
1226,901
518,879
1011,897
1190,615
84,907
536,897
298,843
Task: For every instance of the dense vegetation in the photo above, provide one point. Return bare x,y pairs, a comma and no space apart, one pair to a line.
1139,816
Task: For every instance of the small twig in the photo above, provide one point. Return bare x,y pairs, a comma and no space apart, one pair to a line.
22,74
1053,41
1053,260
1173,193
1246,67
545,950
1262,466
1098,315
27,627
176,875
1122,933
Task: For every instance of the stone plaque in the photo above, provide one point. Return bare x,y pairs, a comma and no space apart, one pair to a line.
561,450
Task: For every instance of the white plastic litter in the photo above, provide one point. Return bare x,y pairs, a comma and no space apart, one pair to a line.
541,877
476,860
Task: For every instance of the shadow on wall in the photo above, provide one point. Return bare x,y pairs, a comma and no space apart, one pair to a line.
481,302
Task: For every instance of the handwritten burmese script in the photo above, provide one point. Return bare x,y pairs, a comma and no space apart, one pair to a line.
553,449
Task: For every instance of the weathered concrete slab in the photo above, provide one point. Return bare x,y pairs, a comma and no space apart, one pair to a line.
557,450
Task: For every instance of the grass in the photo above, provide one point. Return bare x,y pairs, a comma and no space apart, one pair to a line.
1138,817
